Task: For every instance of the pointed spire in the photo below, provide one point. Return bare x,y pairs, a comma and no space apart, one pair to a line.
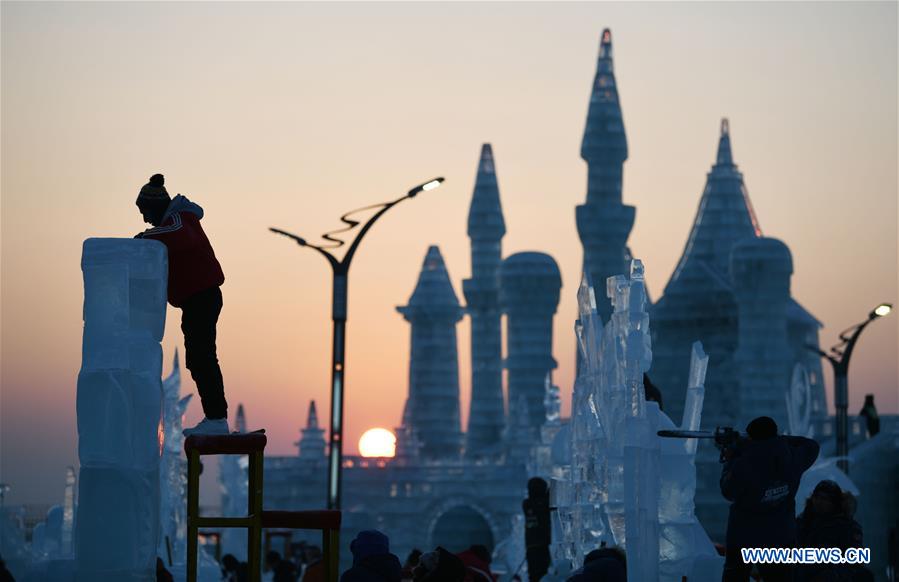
725,157
725,214
240,421
312,438
604,139
312,417
434,291
176,366
485,215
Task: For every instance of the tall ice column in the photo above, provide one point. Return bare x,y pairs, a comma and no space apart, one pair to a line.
119,407
531,283
433,405
486,228
603,222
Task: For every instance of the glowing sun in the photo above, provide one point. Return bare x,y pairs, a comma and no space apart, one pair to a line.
377,442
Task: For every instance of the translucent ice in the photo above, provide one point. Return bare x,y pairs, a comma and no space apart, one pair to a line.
173,472
624,485
119,405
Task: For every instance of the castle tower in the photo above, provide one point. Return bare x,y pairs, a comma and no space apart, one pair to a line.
486,228
710,298
698,302
240,421
433,404
760,270
529,294
603,222
312,439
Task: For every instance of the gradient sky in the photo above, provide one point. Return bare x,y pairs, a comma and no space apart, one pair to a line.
288,114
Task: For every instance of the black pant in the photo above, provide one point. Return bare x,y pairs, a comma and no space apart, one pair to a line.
735,570
199,314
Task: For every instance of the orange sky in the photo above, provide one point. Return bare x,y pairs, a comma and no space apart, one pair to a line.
289,114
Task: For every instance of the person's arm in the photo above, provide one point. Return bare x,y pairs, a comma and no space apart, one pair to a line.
732,483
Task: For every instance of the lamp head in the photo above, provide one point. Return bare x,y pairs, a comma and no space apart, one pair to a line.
427,186
882,310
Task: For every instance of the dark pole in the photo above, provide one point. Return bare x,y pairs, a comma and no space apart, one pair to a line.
839,360
339,288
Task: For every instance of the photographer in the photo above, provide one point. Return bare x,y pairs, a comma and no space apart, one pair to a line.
761,476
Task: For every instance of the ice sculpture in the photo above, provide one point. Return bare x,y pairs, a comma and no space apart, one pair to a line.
173,472
68,514
626,486
119,409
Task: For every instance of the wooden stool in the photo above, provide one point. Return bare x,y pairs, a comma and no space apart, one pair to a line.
251,444
328,521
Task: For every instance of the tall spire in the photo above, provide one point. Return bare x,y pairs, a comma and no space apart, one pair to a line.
433,404
603,222
485,215
240,421
604,146
312,441
312,417
486,228
725,214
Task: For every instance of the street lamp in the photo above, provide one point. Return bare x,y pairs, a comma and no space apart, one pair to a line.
340,269
839,359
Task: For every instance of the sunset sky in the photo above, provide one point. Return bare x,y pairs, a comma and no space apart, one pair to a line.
289,114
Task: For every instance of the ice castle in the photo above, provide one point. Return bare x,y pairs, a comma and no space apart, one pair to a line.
730,291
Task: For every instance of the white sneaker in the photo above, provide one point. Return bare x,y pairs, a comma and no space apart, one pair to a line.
207,426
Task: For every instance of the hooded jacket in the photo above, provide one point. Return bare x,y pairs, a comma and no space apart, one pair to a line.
761,480
192,263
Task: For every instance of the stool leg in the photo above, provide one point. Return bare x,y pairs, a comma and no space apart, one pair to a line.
193,512
334,557
254,502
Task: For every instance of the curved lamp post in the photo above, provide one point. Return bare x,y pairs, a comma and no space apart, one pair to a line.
839,358
340,269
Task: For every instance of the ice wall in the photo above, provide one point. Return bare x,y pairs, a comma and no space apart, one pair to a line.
119,405
624,485
173,472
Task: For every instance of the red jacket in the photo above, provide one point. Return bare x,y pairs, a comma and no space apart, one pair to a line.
192,263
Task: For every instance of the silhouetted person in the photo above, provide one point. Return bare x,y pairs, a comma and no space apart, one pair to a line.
537,529
282,570
651,391
233,570
869,411
602,565
5,575
315,566
761,476
162,575
827,522
195,278
411,562
372,560
476,560
439,566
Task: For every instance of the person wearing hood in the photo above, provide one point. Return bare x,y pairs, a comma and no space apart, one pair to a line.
602,565
827,522
195,278
439,566
760,477
372,560
476,560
